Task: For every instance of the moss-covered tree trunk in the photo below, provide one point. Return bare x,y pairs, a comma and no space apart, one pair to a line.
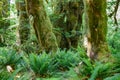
1,8
95,13
24,26
42,25
69,22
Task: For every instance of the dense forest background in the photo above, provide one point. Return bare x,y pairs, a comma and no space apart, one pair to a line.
59,40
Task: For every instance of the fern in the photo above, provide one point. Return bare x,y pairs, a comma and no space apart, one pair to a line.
40,63
66,59
95,72
114,77
9,57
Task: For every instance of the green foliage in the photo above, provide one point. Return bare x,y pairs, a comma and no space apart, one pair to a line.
97,70
45,64
114,42
113,29
4,75
66,59
116,63
117,57
69,75
82,52
62,65
9,57
40,63
100,71
85,66
114,77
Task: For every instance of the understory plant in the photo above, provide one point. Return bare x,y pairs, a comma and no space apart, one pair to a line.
66,59
40,64
45,64
100,70
9,57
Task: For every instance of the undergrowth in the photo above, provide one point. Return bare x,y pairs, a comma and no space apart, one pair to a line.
71,65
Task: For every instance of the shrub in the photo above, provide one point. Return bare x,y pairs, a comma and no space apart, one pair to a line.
114,77
9,57
66,59
40,63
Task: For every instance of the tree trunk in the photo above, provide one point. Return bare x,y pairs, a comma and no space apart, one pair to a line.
24,26
95,12
69,23
42,25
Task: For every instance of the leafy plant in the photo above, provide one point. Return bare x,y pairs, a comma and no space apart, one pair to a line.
66,59
114,42
4,75
114,77
85,67
40,63
9,57
93,70
101,70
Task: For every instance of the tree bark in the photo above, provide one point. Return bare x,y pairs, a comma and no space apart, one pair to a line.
42,25
69,23
95,12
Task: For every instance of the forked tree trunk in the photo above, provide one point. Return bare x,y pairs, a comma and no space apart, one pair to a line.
95,13
42,25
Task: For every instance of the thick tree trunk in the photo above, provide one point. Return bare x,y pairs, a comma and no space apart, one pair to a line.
24,26
42,25
95,12
69,21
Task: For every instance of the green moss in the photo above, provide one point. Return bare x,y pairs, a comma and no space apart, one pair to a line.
97,25
42,25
